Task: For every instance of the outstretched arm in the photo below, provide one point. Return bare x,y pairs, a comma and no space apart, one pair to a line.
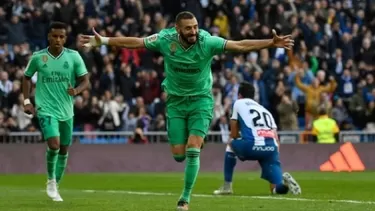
123,42
254,45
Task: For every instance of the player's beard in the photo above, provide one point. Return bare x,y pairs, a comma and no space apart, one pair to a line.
185,39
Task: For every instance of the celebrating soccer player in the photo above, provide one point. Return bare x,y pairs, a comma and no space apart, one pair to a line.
188,52
258,141
57,69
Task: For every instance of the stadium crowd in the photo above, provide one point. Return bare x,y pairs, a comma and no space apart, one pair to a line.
332,64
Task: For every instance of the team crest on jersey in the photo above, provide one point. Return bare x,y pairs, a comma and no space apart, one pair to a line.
66,65
173,48
152,38
44,58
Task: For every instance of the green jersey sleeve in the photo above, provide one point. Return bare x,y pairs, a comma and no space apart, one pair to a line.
152,42
79,65
215,44
31,67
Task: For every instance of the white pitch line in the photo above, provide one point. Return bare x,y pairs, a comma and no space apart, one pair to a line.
235,196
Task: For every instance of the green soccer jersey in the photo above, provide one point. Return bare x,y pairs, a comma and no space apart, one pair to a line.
54,75
188,71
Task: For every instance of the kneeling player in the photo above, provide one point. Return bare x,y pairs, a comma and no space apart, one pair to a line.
259,142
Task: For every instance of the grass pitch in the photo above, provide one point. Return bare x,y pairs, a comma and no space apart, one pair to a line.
159,192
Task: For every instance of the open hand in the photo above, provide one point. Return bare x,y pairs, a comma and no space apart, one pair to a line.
282,41
90,41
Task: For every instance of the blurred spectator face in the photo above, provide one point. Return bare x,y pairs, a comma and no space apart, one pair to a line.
355,28
57,38
119,99
142,111
15,19
94,101
146,19
223,120
338,53
3,76
188,30
1,117
316,83
233,80
257,75
369,79
16,86
321,75
237,11
280,9
86,94
107,95
339,102
78,102
361,14
140,102
163,96
366,43
346,37
65,2
294,20
346,73
265,30
120,13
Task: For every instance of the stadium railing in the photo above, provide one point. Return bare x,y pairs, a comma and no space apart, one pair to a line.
122,137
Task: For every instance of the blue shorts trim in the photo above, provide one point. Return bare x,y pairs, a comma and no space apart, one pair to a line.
267,157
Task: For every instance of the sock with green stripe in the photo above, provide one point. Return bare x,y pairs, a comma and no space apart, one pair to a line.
191,172
51,157
62,161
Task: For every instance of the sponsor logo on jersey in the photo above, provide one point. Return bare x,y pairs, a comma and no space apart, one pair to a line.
266,133
152,38
44,58
264,148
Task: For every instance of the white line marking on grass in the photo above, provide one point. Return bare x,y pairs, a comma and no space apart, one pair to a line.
234,196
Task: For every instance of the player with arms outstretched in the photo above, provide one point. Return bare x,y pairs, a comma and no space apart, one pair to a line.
57,70
258,141
188,53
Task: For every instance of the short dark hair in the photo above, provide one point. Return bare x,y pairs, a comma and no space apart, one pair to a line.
57,25
322,110
246,90
184,15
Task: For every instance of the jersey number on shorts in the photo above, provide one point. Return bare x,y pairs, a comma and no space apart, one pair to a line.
44,121
262,119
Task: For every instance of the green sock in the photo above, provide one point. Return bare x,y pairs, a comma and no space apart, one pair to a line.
191,172
51,157
60,167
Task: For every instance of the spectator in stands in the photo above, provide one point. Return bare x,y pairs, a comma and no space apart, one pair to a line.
313,95
138,137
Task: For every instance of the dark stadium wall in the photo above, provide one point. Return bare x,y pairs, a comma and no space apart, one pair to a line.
30,158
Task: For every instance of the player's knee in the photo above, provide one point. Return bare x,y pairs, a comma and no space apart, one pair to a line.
63,150
53,143
179,158
178,149
195,141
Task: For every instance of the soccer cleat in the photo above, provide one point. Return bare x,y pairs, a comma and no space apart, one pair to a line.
223,190
292,184
52,188
182,205
57,198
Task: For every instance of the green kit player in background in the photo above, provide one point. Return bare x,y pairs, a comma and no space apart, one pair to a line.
57,70
188,52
